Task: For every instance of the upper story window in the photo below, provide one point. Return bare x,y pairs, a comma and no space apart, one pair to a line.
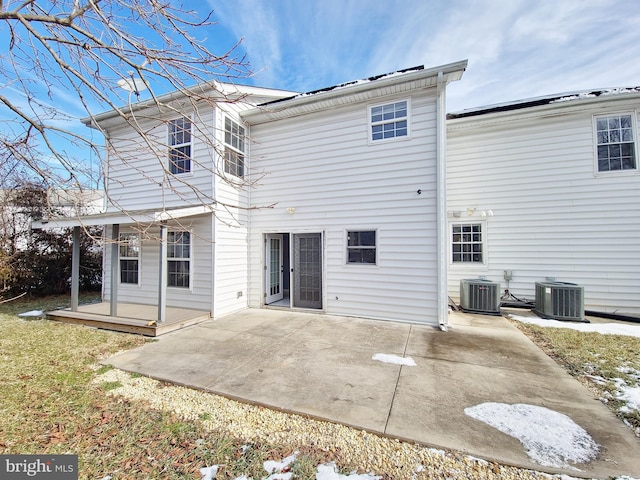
361,247
234,135
615,143
466,243
389,121
129,257
178,259
180,146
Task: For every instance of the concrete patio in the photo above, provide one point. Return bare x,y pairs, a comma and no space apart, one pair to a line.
321,366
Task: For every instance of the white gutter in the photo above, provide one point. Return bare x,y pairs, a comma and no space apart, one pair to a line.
441,192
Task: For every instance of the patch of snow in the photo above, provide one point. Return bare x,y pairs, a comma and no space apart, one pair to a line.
603,328
329,471
209,473
272,466
550,438
395,359
31,313
629,395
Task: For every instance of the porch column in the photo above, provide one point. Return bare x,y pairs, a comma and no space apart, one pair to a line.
75,269
162,274
115,253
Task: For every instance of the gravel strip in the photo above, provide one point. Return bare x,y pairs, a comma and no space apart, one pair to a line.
347,446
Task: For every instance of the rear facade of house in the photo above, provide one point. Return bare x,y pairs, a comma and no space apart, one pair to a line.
326,201
547,190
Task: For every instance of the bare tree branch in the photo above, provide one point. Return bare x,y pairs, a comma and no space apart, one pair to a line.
62,62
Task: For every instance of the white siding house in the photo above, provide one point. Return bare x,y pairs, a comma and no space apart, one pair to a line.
548,189
331,200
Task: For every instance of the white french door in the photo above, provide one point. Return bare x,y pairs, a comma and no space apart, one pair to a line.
274,268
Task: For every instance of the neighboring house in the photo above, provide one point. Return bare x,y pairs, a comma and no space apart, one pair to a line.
344,213
548,188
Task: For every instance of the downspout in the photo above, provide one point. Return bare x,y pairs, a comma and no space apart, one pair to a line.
441,192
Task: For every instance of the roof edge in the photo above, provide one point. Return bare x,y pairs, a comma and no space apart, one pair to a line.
558,98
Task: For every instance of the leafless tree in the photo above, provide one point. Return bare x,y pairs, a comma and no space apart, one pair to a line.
97,54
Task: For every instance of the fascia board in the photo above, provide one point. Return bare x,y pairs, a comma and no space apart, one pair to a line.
354,92
123,218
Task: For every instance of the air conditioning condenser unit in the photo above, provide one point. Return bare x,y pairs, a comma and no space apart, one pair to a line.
480,296
560,301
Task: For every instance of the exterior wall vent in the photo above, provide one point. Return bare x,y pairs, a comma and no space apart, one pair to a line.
480,296
559,301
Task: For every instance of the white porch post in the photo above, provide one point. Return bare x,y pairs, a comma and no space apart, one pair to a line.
162,274
115,236
75,269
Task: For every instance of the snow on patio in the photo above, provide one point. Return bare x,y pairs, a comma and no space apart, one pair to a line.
550,438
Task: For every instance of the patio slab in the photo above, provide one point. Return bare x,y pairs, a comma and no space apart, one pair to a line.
321,366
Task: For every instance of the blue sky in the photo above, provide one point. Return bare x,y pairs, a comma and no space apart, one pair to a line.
516,48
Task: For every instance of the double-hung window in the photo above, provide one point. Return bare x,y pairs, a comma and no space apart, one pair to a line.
180,146
129,257
234,135
178,259
390,120
361,247
615,143
466,243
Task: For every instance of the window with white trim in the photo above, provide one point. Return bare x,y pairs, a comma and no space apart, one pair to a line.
389,121
180,146
178,259
129,249
361,247
466,243
615,143
234,135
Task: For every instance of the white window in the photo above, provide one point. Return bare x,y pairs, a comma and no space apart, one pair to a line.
615,143
361,247
129,257
180,146
466,243
178,259
389,121
234,136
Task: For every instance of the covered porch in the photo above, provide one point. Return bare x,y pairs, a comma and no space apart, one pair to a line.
131,318
150,319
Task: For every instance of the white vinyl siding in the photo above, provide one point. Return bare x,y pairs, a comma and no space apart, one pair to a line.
146,292
136,171
531,180
323,166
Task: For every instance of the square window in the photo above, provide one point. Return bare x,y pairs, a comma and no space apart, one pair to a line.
389,120
466,243
361,247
